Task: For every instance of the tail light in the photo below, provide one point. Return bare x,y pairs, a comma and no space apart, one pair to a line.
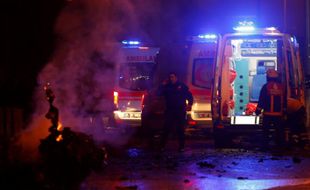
142,101
192,122
145,99
115,94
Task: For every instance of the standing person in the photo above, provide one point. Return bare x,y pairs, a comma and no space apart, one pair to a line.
271,104
178,100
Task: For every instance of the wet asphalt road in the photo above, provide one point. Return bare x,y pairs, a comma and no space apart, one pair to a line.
202,166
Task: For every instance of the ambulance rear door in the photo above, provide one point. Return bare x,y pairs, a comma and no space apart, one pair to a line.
202,58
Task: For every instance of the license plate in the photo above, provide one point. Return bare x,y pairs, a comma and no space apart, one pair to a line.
244,120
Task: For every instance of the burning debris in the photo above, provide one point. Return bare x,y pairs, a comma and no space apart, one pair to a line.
67,156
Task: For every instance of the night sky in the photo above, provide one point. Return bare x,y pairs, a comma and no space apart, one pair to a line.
28,41
29,38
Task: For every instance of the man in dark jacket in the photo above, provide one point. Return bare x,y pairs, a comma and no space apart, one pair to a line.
271,104
178,100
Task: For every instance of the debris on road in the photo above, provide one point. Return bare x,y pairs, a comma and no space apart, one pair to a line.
205,164
296,160
242,178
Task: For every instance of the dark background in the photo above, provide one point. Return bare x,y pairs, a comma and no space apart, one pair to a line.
28,38
27,42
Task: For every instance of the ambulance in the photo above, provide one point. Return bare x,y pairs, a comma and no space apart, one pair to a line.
202,58
240,73
134,75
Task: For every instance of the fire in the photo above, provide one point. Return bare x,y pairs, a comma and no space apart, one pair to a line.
59,138
59,127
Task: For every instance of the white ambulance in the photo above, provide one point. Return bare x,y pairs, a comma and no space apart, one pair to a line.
135,71
202,58
240,73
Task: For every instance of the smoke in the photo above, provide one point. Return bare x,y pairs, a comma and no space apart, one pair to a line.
82,70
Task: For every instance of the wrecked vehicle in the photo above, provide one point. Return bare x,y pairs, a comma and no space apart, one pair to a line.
67,157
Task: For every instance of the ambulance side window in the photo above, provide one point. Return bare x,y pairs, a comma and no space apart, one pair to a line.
202,72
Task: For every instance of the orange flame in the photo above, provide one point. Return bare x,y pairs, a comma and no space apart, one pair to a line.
59,138
59,127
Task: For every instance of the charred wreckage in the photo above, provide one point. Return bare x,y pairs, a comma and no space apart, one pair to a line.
67,156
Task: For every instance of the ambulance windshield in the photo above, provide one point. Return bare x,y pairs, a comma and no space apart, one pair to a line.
136,75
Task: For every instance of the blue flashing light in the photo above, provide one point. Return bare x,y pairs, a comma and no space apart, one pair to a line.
245,26
271,28
128,42
207,36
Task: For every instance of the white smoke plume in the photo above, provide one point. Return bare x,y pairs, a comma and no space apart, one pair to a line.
81,70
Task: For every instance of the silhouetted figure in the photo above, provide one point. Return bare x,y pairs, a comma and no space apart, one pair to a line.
178,100
271,104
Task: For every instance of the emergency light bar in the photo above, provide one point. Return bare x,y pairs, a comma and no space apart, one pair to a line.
207,36
245,26
129,42
204,38
271,29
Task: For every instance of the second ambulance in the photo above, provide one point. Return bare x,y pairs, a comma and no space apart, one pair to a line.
134,76
202,58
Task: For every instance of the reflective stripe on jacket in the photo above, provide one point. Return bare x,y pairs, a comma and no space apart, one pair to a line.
271,99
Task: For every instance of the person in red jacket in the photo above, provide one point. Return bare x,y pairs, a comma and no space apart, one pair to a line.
271,105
